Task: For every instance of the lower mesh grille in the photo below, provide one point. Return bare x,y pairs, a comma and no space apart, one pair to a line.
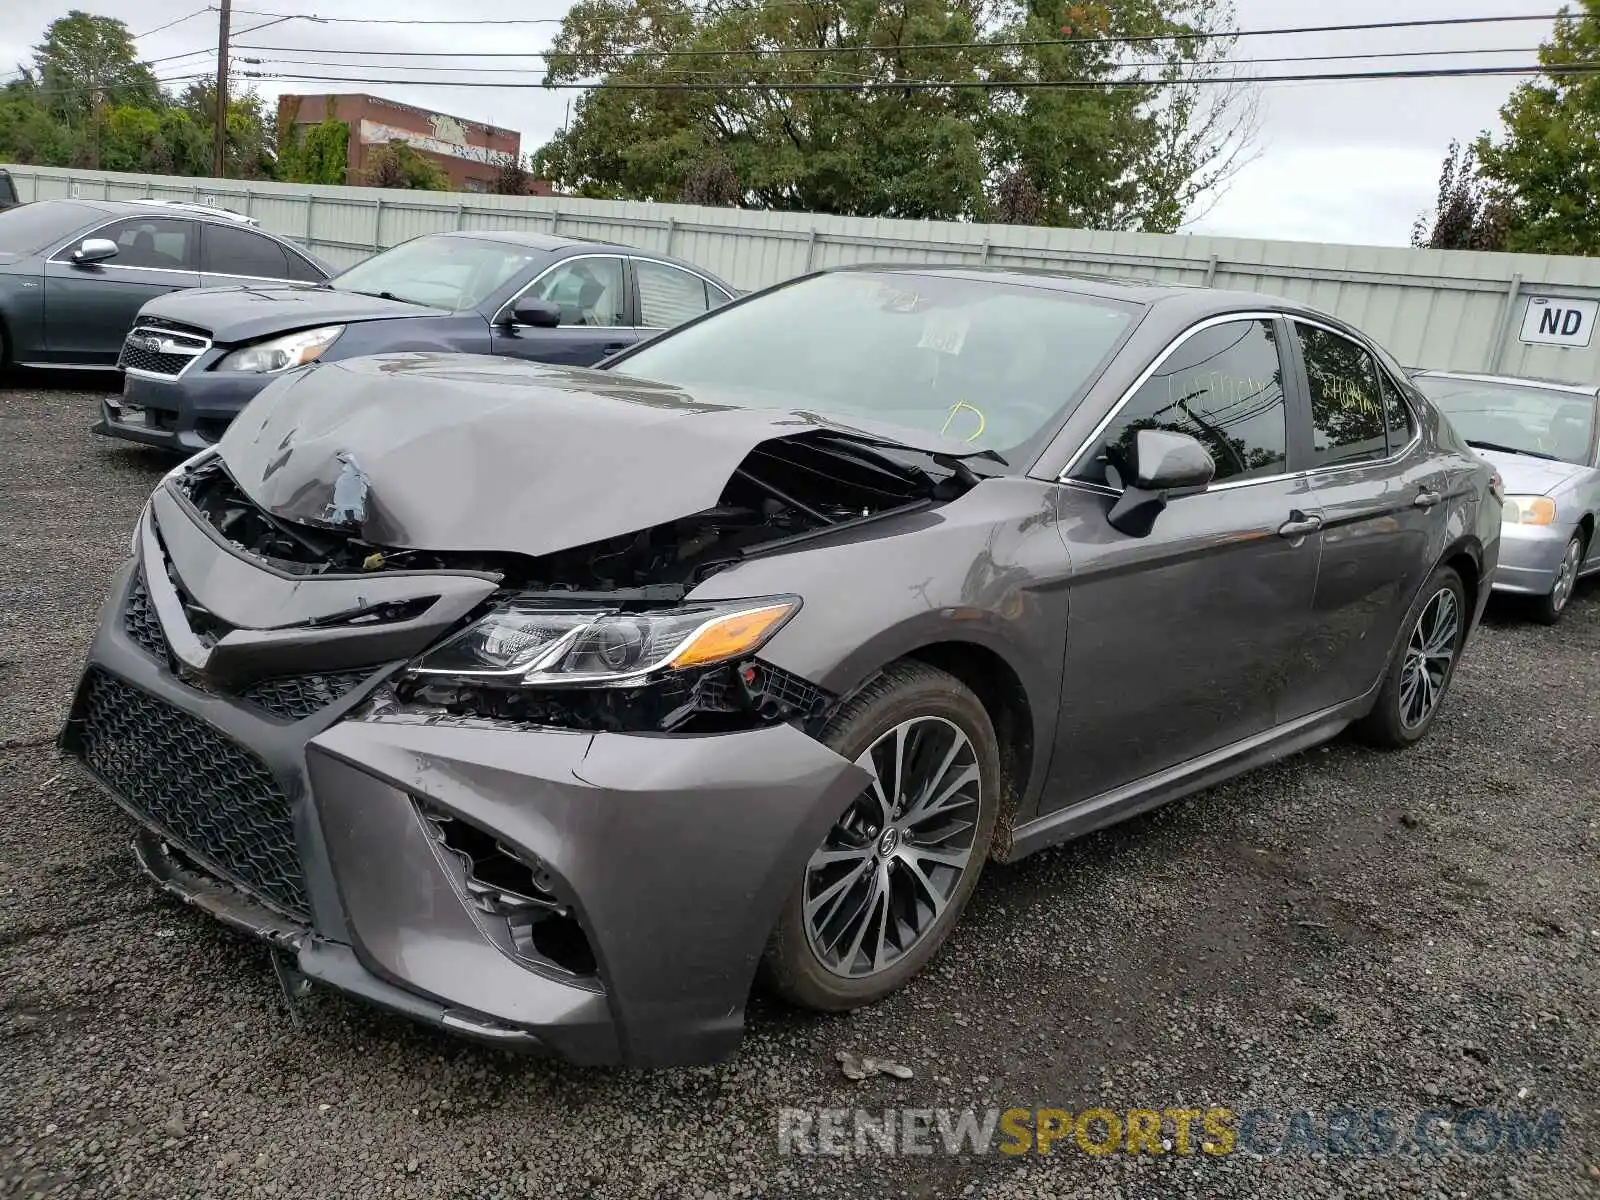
140,621
209,794
296,697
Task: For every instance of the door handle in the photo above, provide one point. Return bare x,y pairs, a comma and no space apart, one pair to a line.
1299,525
1426,499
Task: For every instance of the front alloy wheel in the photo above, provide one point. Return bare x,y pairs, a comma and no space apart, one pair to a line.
888,881
889,867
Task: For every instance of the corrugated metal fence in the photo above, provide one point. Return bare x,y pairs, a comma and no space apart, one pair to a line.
1447,309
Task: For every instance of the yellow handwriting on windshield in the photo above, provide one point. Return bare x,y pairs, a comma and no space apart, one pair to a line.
983,422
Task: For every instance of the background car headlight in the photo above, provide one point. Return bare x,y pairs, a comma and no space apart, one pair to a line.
1528,510
279,354
543,644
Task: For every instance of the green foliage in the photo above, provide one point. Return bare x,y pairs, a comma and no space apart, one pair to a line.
399,165
1545,168
1115,157
314,153
85,62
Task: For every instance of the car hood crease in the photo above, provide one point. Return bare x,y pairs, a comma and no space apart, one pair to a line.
473,454
1525,475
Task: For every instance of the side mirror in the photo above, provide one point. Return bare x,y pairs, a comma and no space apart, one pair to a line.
1161,463
539,313
94,250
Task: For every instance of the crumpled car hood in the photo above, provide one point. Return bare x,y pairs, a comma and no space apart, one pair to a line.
450,452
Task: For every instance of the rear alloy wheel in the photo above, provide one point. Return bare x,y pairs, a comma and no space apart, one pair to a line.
1417,680
1547,609
880,894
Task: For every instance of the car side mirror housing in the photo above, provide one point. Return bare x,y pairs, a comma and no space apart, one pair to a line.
539,313
1162,463
94,250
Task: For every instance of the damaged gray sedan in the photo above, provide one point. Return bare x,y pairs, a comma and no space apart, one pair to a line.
553,705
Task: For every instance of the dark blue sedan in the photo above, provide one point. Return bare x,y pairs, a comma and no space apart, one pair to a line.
194,359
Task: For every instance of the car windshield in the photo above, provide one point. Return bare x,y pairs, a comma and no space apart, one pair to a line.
993,363
441,272
1519,418
30,228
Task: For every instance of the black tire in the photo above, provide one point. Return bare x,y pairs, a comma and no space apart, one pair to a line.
1388,725
905,691
1548,609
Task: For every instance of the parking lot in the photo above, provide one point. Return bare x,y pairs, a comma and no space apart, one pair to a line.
1344,930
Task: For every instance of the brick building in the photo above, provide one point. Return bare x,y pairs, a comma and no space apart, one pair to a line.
468,152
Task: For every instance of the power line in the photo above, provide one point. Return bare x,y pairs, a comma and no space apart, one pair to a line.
1242,62
1199,35
924,85
199,12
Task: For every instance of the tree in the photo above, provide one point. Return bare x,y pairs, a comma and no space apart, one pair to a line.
250,149
891,127
511,177
711,181
317,153
1017,201
400,165
1465,216
86,62
1545,168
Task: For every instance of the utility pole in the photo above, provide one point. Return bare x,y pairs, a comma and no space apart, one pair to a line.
220,145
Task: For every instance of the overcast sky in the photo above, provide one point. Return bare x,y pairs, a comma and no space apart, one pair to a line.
1340,162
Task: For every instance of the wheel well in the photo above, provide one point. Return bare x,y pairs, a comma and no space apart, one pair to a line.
1467,567
1001,693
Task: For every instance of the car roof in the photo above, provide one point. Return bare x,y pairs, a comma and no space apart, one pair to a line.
1195,301
1589,390
147,207
534,241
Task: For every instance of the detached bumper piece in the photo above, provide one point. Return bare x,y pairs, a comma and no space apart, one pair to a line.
603,896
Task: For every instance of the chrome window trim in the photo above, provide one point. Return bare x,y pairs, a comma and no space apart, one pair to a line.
1416,420
505,308
195,355
288,247
660,262
672,266
1105,489
1064,476
107,224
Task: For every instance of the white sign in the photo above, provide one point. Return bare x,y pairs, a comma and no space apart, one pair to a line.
1550,321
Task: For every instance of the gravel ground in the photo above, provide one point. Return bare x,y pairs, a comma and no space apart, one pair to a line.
1344,930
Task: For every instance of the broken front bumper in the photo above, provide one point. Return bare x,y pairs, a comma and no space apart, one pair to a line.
291,807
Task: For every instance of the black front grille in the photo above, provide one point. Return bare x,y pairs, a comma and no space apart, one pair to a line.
140,621
139,355
204,791
296,697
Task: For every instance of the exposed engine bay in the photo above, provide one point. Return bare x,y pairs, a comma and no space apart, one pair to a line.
785,492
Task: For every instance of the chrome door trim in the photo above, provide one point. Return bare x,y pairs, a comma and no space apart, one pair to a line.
1144,377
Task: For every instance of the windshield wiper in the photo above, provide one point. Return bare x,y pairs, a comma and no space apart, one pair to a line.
378,295
1512,450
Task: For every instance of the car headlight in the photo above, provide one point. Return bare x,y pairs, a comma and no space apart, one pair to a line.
538,643
279,354
1528,510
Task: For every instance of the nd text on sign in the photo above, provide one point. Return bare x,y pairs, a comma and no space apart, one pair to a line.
1554,322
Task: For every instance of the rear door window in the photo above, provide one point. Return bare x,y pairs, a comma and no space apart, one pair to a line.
668,296
1348,411
228,251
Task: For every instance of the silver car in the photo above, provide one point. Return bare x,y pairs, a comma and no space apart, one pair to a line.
1541,437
